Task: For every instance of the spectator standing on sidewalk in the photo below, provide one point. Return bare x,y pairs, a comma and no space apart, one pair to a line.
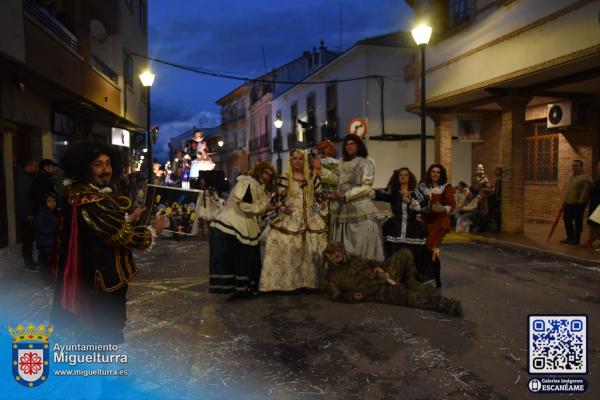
24,176
576,196
594,204
496,208
46,223
43,183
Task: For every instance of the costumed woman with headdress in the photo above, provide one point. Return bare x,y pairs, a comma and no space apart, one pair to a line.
404,229
234,248
327,152
298,234
355,222
441,203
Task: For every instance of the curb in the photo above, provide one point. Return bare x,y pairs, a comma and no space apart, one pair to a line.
468,238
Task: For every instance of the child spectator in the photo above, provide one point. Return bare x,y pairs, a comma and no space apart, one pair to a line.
46,225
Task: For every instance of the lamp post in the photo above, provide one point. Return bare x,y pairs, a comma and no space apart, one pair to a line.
421,34
147,79
278,124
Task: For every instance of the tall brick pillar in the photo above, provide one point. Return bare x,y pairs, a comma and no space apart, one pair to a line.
513,161
443,141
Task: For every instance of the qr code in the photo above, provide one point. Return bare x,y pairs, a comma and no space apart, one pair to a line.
557,344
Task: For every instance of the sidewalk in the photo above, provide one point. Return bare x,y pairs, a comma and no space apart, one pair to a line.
534,238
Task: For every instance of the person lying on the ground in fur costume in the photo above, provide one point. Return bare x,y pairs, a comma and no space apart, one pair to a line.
354,279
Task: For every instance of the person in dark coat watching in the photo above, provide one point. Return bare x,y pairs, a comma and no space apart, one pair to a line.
43,183
24,210
576,198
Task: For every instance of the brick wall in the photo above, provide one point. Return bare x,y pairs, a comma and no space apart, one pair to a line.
489,152
542,201
443,142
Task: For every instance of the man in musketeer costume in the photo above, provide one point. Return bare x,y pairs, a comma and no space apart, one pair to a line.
94,260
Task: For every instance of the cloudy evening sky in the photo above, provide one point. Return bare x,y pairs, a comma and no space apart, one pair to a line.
229,36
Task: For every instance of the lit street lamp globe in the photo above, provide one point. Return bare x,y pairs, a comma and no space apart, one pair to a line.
421,34
147,78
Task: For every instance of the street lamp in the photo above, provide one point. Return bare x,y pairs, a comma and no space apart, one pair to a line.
278,124
421,34
147,79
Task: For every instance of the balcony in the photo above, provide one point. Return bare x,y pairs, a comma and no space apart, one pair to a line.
263,142
309,135
292,140
101,66
253,145
329,129
258,143
50,24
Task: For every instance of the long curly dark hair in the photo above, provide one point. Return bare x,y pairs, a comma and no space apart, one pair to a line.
362,148
257,170
443,175
394,182
77,160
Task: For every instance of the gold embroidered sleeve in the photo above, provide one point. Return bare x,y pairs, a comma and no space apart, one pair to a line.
110,224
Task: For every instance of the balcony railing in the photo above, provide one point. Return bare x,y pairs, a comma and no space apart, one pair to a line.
292,140
263,142
44,18
253,145
104,68
258,143
309,135
329,129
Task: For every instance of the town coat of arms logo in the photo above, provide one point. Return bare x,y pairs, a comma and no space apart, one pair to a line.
30,354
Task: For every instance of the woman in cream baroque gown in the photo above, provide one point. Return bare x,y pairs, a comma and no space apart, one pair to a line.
298,235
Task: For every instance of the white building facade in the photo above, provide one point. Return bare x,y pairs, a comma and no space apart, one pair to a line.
326,105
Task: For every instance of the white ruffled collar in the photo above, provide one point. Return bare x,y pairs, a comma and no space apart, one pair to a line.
438,189
105,189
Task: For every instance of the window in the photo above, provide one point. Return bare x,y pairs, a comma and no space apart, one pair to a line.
542,154
128,69
294,119
241,112
142,15
459,13
329,128
241,139
266,131
311,118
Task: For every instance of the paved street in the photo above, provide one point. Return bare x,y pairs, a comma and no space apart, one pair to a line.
304,346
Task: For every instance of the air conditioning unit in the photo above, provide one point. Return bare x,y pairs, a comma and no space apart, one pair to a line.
561,114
